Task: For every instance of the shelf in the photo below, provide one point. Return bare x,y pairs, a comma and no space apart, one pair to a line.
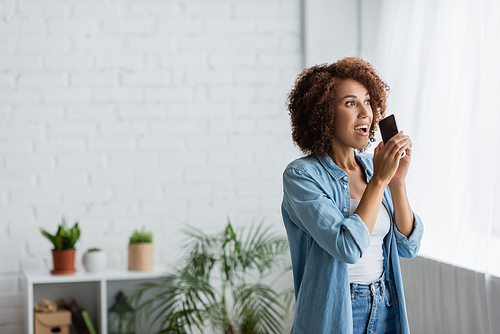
37,277
93,290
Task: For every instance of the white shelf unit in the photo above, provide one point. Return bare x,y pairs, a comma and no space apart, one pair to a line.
92,291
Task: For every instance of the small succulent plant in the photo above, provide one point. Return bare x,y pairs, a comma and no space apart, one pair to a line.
141,237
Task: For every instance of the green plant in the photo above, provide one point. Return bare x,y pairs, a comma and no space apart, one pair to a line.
93,250
226,281
121,315
65,238
141,237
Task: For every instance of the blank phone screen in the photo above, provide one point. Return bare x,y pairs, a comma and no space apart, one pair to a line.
388,128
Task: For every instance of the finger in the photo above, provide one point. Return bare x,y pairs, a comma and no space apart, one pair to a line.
395,140
401,150
399,137
409,149
406,149
377,149
400,147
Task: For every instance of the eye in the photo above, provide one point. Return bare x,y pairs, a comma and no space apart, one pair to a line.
368,102
350,103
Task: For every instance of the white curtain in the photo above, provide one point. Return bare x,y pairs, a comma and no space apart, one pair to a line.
442,61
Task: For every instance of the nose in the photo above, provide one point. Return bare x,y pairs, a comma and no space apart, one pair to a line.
364,111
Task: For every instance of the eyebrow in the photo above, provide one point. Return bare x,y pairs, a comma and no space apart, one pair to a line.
353,96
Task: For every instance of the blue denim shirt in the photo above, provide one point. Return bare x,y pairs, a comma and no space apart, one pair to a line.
324,239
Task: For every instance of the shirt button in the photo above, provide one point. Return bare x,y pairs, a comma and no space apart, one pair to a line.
345,178
345,186
345,209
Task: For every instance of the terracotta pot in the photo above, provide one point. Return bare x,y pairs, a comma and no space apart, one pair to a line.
64,262
140,256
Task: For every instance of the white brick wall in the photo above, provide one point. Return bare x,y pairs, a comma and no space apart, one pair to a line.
126,113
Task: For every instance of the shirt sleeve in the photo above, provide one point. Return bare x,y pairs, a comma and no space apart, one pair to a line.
318,215
408,246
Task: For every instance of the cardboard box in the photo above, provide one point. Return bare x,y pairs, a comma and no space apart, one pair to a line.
56,322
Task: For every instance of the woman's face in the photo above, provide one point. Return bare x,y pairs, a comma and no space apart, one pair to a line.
353,115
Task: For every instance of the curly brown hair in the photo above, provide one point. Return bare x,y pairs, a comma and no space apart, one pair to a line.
311,102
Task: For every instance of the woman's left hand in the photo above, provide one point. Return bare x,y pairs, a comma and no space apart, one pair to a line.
402,171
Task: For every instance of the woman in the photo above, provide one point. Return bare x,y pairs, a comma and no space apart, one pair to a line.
346,213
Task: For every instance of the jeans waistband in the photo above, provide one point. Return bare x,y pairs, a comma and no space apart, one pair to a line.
371,288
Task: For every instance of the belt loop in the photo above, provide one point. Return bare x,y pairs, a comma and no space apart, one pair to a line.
382,286
353,290
372,289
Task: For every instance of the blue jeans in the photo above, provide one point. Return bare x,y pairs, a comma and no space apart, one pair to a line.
372,312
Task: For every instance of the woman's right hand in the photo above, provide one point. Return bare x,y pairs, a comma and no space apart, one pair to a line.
386,157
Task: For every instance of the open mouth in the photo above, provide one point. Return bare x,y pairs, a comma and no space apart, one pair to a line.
363,128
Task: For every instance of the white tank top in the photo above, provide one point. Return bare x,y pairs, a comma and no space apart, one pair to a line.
370,266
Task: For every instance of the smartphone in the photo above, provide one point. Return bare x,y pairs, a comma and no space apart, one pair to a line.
388,129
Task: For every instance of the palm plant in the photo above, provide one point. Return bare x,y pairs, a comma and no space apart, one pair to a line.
221,284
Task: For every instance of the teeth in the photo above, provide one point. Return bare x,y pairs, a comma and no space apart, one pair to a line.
361,127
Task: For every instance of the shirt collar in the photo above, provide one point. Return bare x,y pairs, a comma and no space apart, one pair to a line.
336,172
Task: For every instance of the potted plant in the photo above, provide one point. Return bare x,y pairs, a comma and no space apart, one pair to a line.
223,283
94,260
141,251
63,253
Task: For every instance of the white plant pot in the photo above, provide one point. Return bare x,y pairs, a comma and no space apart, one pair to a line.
94,261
